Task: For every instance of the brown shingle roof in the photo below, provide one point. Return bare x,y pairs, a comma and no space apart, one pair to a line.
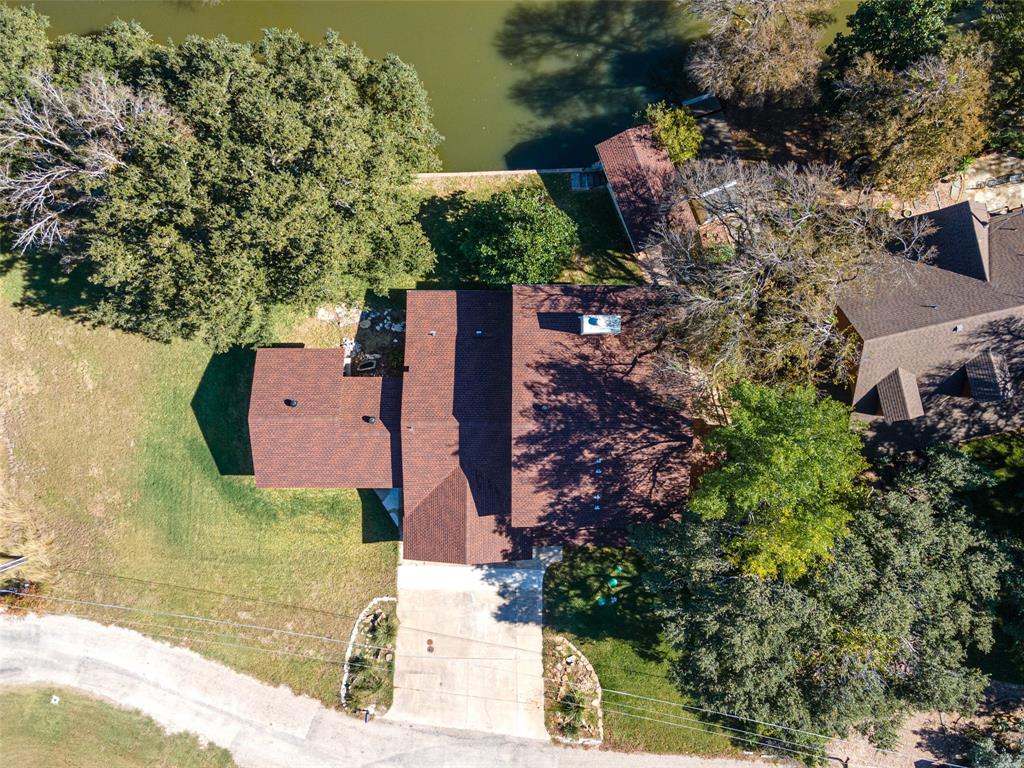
961,239
899,396
455,427
941,315
593,443
326,440
474,445
1006,252
639,173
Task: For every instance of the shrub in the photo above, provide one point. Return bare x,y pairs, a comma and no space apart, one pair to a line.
519,236
675,128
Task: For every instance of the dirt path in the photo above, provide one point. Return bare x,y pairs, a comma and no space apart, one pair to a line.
262,726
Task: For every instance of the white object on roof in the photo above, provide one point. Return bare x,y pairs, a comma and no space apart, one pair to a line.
600,324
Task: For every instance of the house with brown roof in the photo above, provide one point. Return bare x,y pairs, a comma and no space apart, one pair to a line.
521,417
942,346
641,175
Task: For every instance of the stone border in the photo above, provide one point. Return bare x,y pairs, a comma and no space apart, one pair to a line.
352,640
585,662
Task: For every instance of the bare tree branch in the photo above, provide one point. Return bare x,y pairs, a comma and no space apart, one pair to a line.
56,148
762,305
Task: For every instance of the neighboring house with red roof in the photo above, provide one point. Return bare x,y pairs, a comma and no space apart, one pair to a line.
508,427
641,175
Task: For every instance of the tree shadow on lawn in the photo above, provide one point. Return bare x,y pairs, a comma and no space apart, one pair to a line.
49,289
604,255
377,523
573,590
442,220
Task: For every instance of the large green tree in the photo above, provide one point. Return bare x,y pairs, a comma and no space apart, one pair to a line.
23,49
518,236
675,129
785,486
897,32
904,130
1002,24
280,177
880,628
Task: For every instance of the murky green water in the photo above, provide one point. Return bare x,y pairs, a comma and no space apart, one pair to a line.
513,84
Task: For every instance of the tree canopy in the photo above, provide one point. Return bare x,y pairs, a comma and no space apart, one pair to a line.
880,628
897,32
23,49
1002,25
277,173
765,50
754,293
906,129
786,484
519,236
675,128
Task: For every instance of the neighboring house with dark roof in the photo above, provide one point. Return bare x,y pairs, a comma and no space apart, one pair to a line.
508,427
942,346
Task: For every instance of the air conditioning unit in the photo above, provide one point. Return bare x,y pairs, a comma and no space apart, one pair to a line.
593,325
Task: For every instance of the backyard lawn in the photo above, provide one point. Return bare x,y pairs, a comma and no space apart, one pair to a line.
80,732
622,641
132,459
603,256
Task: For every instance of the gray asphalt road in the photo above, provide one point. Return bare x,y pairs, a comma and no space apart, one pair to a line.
262,726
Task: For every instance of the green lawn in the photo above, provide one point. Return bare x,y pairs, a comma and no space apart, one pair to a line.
603,256
622,641
132,458
79,732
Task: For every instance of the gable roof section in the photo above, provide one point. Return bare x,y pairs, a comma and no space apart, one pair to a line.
986,377
921,296
639,173
1006,252
326,440
899,396
455,427
961,239
593,442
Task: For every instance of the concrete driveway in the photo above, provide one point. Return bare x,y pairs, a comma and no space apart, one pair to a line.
264,726
485,672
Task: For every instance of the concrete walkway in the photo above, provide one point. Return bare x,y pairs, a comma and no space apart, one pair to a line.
262,726
469,648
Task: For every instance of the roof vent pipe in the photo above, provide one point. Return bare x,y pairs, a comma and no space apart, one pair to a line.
290,402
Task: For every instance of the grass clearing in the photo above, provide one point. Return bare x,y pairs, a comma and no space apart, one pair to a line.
603,257
81,732
133,456
623,643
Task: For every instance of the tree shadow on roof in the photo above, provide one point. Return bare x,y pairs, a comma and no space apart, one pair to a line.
221,408
953,416
588,68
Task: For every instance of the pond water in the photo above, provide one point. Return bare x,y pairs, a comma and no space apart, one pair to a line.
513,84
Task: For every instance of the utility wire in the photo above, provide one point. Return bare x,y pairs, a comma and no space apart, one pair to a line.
365,645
